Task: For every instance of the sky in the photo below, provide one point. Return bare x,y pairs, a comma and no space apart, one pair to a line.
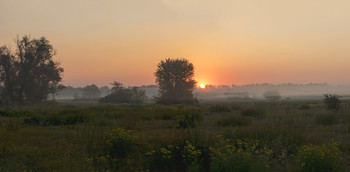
228,41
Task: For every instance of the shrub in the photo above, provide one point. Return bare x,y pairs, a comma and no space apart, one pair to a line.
178,156
121,94
326,157
119,143
187,117
253,113
234,121
239,155
332,101
185,121
326,119
281,140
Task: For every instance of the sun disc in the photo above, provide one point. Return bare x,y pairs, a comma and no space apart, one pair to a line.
202,86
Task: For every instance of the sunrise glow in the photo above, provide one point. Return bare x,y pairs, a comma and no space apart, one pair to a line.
202,86
228,42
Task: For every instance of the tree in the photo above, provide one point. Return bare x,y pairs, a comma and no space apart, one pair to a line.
175,80
332,101
8,75
30,73
120,94
91,92
105,90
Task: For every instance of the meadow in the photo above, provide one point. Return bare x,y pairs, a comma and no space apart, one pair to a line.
285,135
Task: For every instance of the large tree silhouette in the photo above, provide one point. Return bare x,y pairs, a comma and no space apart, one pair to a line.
175,80
30,73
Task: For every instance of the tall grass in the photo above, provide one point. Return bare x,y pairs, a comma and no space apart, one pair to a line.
93,137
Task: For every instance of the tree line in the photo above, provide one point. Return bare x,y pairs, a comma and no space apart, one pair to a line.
30,74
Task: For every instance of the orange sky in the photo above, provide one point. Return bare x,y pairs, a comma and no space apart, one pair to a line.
228,41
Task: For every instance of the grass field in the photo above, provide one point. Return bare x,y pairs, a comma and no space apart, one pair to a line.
238,136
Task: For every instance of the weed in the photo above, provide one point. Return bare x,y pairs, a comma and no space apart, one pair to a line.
326,157
119,143
184,121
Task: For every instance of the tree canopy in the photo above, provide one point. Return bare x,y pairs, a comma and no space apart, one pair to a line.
91,92
120,94
29,74
175,80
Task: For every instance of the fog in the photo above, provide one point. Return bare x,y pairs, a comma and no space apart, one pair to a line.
286,91
247,92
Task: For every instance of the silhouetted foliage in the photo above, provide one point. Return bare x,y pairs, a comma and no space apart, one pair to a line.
30,74
105,90
120,94
91,92
175,80
54,87
332,101
272,95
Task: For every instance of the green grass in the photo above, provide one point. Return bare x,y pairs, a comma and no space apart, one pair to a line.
77,136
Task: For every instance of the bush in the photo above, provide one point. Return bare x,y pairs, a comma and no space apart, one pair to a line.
326,157
283,141
185,121
121,94
234,121
119,143
253,113
326,119
187,117
332,101
178,156
240,155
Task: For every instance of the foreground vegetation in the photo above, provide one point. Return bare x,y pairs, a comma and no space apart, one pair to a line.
237,136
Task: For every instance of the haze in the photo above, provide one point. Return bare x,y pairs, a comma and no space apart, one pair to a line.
229,42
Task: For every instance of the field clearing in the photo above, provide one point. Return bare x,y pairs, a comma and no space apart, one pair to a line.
253,135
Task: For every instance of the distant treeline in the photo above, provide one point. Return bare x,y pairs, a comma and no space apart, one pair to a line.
226,92
261,91
94,92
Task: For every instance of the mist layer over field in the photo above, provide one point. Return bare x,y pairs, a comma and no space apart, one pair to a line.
232,93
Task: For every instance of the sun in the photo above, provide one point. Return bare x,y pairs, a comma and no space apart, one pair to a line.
202,86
